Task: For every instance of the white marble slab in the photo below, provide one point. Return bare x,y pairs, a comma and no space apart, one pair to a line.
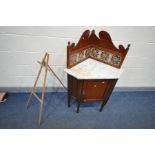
92,69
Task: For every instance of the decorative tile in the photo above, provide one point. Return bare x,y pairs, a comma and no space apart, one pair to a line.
81,55
116,60
94,52
73,59
101,55
87,52
104,56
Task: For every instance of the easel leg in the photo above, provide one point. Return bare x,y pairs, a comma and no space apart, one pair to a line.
29,100
33,89
40,114
43,92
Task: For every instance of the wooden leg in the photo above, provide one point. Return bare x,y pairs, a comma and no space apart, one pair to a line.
43,92
102,105
78,107
69,99
33,89
111,86
80,97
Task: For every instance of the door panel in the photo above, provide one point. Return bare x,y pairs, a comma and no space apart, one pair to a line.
94,90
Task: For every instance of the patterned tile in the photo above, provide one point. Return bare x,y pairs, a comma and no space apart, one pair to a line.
73,59
101,55
94,53
116,60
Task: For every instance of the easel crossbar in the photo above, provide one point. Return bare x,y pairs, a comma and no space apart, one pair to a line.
37,97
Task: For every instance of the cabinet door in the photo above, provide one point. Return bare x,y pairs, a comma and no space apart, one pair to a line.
94,90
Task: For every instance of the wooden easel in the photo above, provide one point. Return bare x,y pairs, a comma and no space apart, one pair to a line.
43,63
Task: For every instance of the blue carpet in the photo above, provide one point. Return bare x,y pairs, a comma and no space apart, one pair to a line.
124,110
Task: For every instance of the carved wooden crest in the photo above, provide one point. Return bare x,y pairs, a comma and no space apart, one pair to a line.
99,48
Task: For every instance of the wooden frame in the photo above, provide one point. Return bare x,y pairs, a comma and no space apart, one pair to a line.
43,63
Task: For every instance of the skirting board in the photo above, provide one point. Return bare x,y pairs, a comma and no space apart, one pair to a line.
61,89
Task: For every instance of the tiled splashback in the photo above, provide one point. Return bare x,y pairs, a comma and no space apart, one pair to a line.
106,57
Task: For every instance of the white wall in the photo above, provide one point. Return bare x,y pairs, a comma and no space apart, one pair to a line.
21,47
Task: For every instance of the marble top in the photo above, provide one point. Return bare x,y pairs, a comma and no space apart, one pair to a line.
93,69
